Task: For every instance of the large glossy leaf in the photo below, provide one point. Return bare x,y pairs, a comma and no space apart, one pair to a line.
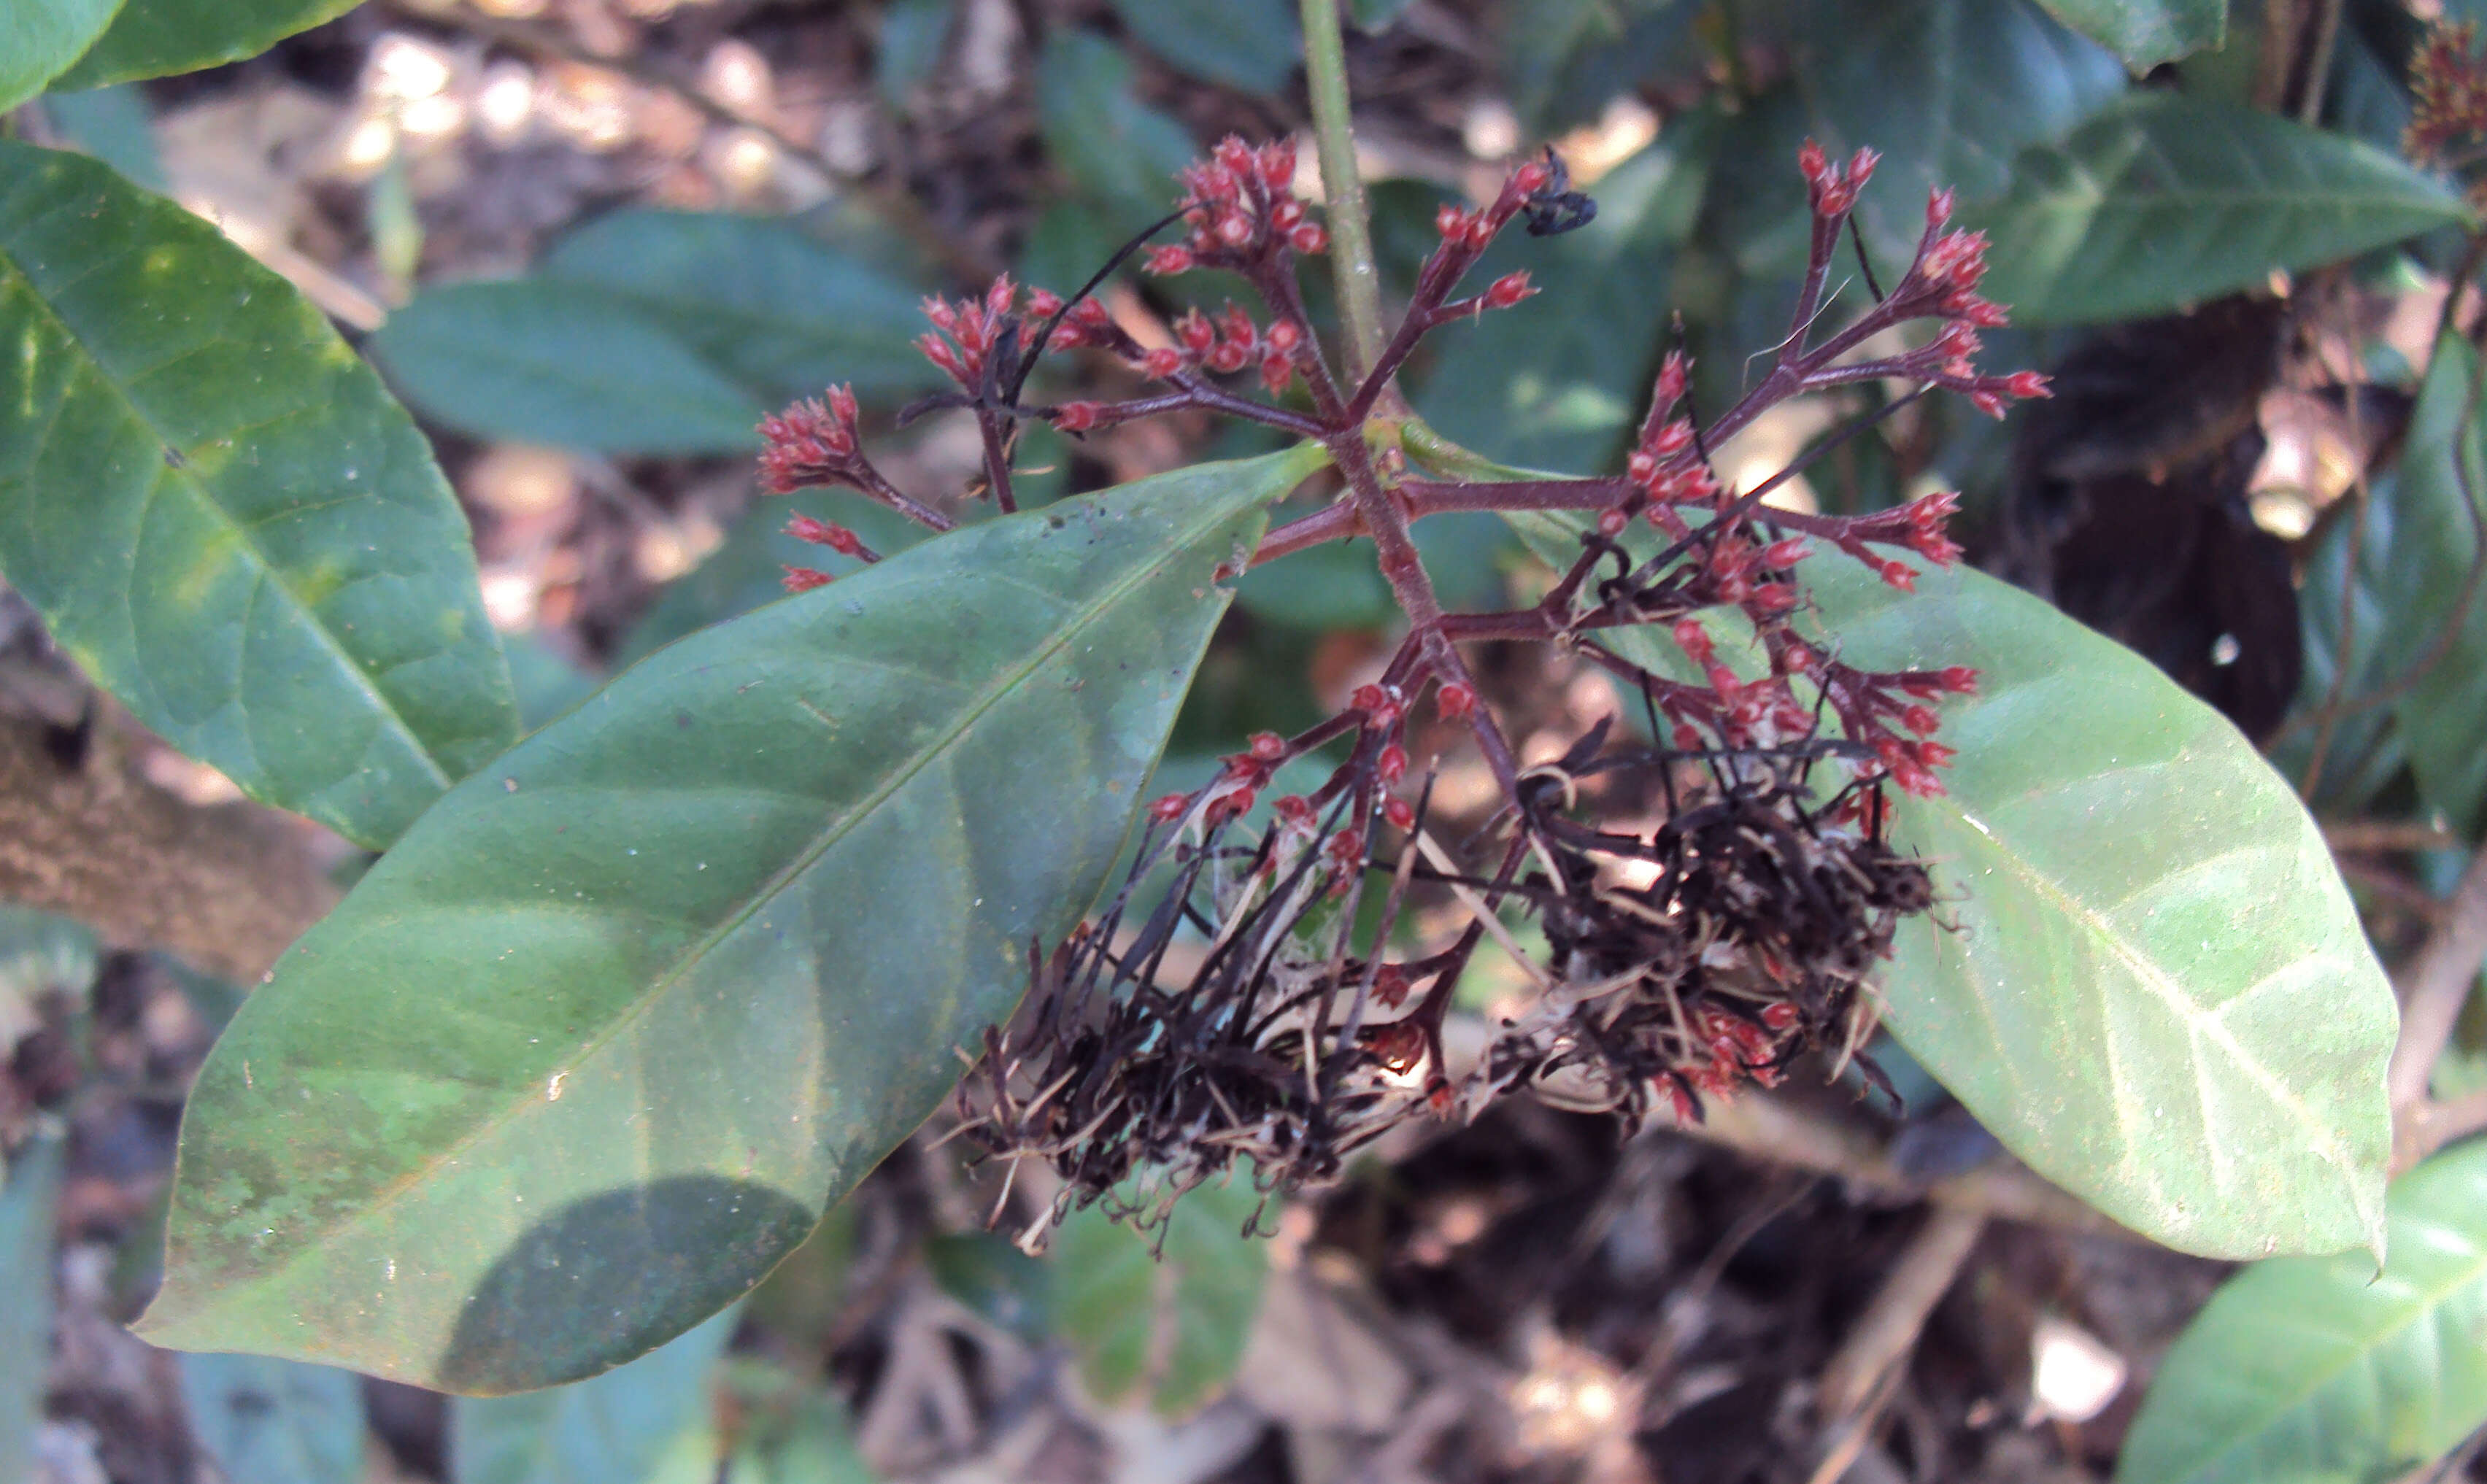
2145,32
1949,91
611,1429
158,37
2160,995
2315,1370
593,1048
39,39
33,1178
220,512
773,307
1250,44
547,361
2156,990
275,1422
1160,1316
2163,200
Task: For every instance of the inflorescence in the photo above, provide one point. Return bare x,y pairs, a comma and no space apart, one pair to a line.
1218,1011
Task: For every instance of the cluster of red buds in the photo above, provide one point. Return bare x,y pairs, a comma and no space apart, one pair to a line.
1241,208
2448,92
1775,893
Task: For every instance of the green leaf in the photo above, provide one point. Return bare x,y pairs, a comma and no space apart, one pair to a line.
1558,379
1167,1323
598,1042
2318,1369
159,38
1120,152
1250,46
912,33
1949,91
1374,16
2158,994
39,39
33,1180
794,1431
275,1422
2161,997
113,125
222,515
543,361
759,299
1565,60
2164,201
2145,32
611,1429
2430,545
39,953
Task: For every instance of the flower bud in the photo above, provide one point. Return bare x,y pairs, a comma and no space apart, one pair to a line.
1453,701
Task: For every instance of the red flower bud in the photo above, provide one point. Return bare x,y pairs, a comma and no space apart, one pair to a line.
1391,765
802,579
1169,259
1163,362
1268,747
1611,521
1170,807
1309,238
1398,812
1508,290
1368,699
1454,701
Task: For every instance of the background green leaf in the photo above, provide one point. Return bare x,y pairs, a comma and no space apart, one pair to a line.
541,360
39,39
591,1049
610,1429
158,37
26,1196
115,125
2163,200
794,1431
2145,32
2430,544
912,33
1167,1322
2320,1370
222,515
2159,994
760,299
1119,153
1252,46
275,1422
1563,60
1949,91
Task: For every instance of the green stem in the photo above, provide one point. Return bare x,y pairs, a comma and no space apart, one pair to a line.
1350,232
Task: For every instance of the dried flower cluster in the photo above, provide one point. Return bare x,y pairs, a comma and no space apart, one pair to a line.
1221,1008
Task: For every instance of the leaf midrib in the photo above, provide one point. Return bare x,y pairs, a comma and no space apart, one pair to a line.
2148,975
768,892
245,536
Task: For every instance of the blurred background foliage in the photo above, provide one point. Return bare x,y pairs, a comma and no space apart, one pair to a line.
592,241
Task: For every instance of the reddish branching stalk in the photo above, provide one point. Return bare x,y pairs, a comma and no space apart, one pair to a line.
1277,1041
